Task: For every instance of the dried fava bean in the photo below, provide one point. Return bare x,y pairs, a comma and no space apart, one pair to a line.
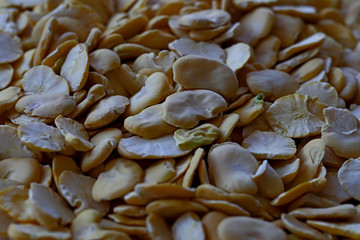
127,220
287,28
238,55
8,98
325,93
231,167
60,164
344,211
246,227
106,111
341,132
195,72
42,80
156,89
11,49
255,25
104,60
210,222
266,51
305,44
50,210
130,210
250,110
301,229
194,165
160,171
11,145
333,189
61,51
338,31
153,38
149,123
188,226
172,208
104,143
185,109
41,137
310,157
204,19
309,70
348,176
227,125
204,134
224,206
350,230
76,189
140,148
97,78
287,170
296,116
269,145
47,35
124,172
14,201
313,186
76,67
48,105
88,224
21,170
272,83
95,93
311,200
157,227
186,46
269,183
6,75
128,51
32,231
74,133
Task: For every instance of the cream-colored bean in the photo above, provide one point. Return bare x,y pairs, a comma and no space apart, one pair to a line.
287,170
106,111
48,105
125,172
33,231
8,98
140,148
232,227
188,226
204,19
204,134
156,89
255,25
204,73
154,38
104,60
11,50
269,145
149,123
50,209
157,227
308,70
6,75
185,109
76,189
160,171
186,46
11,145
269,183
272,83
310,158
104,143
229,165
74,133
95,93
21,170
287,28
266,51
76,67
41,137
